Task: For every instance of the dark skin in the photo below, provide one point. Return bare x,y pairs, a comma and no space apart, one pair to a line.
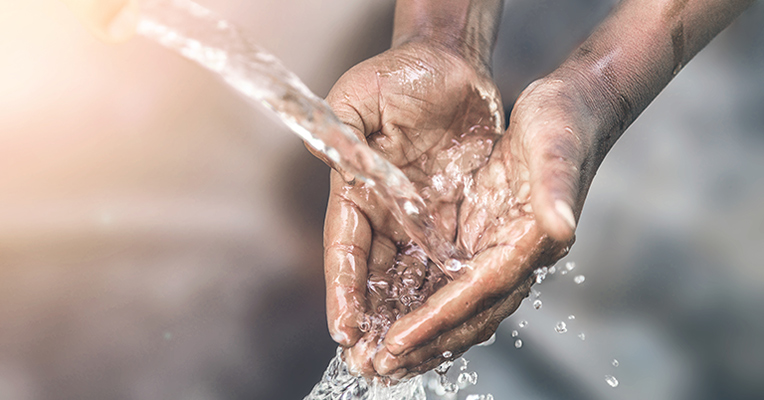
529,193
418,104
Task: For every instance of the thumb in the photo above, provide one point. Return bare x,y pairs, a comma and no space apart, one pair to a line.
110,20
354,99
555,159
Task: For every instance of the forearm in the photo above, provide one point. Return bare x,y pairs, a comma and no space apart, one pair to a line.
636,52
467,27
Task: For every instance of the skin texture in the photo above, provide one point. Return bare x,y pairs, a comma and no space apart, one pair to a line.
521,208
111,21
433,115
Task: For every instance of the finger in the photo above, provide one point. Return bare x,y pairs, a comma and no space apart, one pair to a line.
381,258
456,341
555,157
493,273
359,357
347,238
355,100
109,20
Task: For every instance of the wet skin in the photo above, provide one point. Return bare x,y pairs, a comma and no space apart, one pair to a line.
521,208
439,120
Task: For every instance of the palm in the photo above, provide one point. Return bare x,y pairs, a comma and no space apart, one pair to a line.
509,223
437,119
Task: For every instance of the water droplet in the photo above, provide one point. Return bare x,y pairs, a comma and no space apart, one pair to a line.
518,343
579,279
537,304
473,377
541,274
489,397
410,208
570,265
514,333
677,68
610,379
536,293
571,316
464,362
582,336
615,363
523,323
447,354
463,378
489,342
454,265
560,327
450,387
552,270
443,368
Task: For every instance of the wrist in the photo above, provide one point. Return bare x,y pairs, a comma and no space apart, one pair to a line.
465,28
635,53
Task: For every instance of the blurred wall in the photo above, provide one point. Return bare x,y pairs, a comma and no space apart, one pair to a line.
160,239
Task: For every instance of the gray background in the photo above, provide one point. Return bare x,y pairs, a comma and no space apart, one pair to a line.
160,240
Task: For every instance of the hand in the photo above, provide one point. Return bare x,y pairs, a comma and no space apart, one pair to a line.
521,207
519,216
109,20
435,116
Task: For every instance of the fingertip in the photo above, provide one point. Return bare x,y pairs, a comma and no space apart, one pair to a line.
554,215
399,374
564,227
386,363
345,336
359,360
393,343
342,317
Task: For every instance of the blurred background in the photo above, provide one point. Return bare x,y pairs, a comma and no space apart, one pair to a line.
159,239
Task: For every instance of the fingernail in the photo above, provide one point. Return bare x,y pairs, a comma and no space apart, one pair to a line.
564,211
393,345
399,373
341,338
384,362
122,27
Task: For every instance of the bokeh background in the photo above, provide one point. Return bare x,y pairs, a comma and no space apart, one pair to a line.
160,239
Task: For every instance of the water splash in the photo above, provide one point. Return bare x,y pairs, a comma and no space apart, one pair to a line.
197,34
338,383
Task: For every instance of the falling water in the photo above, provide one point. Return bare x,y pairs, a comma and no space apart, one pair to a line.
197,34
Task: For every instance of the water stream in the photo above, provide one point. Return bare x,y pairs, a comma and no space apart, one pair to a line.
197,34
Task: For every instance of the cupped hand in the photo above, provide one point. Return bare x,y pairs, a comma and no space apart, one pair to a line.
437,118
108,20
519,215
